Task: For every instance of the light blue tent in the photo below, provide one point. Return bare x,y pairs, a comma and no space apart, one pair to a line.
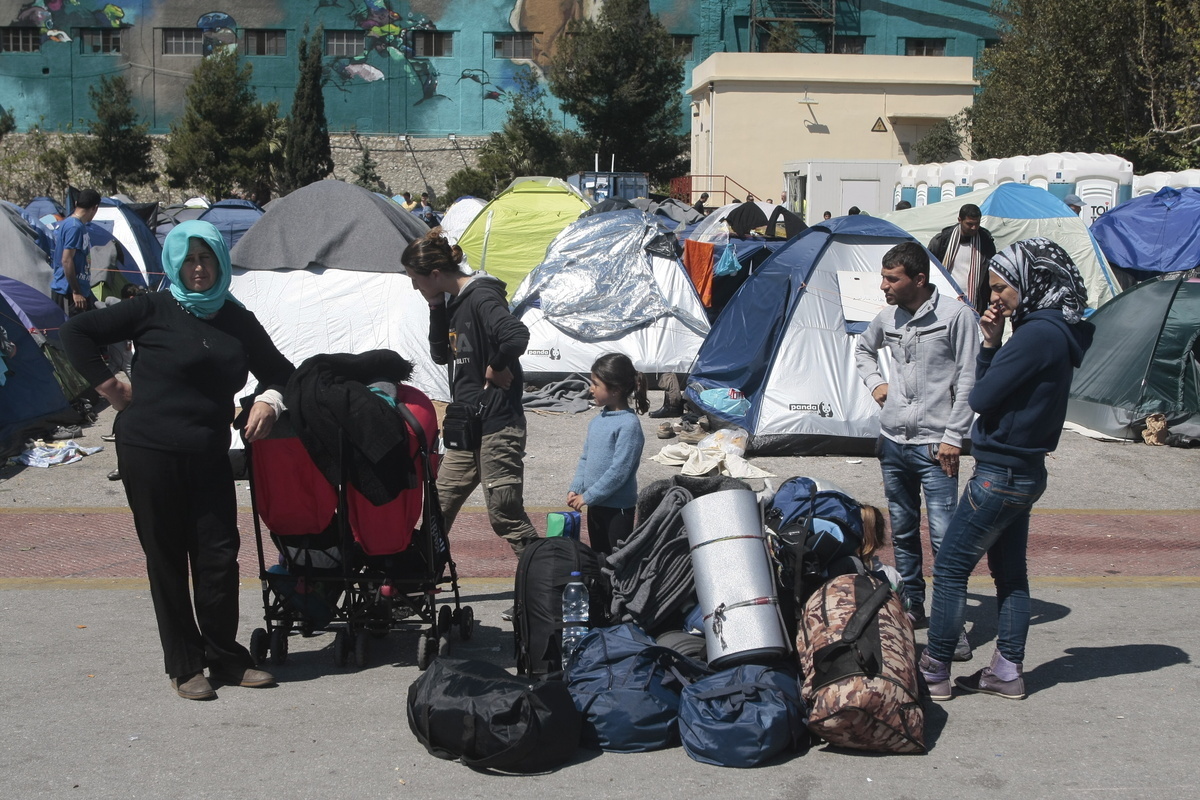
786,342
232,218
1016,211
1152,234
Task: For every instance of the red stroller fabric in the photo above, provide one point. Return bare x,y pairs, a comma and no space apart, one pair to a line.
294,498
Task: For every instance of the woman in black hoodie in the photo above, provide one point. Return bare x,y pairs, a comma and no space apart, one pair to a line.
1020,394
471,329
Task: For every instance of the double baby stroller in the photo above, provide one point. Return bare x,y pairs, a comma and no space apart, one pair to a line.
347,562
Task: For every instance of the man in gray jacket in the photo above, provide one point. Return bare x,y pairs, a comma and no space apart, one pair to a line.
932,342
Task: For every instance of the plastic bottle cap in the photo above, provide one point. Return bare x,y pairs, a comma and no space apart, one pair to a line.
576,574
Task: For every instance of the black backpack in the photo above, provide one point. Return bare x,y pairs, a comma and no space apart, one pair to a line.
542,573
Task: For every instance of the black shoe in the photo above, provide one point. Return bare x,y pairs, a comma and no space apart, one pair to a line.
508,613
666,411
917,615
115,475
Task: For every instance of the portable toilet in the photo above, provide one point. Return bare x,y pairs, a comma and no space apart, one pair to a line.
1186,178
1045,170
1150,184
983,173
1101,181
955,178
1013,170
929,186
906,188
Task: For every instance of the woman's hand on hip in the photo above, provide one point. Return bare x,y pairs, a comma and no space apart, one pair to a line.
260,422
117,392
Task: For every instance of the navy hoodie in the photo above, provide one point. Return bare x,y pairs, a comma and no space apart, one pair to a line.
1021,389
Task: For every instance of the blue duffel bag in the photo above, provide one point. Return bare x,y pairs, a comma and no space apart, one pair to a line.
743,716
627,688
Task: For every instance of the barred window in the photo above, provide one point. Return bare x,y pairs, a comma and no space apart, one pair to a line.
100,40
433,44
183,42
265,43
513,45
685,46
344,43
20,40
850,45
924,47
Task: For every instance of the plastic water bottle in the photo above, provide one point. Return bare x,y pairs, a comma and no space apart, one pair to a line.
575,605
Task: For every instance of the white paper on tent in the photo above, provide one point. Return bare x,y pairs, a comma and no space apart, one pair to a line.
861,296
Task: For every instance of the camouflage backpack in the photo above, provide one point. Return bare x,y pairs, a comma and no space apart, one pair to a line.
860,670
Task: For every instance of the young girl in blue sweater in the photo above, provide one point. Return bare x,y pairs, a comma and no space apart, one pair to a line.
606,478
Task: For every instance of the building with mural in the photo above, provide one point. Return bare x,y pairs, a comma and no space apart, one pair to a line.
421,68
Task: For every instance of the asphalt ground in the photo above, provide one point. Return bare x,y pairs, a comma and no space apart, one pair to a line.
1110,673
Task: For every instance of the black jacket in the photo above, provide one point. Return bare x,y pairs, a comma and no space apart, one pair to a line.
475,330
987,249
329,394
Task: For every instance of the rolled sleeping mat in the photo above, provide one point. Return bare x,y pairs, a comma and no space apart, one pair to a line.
734,580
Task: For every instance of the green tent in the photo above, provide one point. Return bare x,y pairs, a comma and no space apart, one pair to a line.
509,236
1143,361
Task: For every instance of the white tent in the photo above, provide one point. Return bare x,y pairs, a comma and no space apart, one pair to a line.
611,283
321,271
1015,211
460,214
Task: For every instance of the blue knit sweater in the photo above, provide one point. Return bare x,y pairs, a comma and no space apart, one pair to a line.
607,471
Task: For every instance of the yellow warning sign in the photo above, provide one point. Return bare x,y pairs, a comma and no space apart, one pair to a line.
879,127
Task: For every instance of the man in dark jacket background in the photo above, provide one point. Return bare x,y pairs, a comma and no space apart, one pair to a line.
964,249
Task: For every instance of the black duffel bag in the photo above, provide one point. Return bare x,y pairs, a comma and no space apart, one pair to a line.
481,714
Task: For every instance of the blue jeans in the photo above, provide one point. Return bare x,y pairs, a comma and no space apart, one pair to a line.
992,518
907,469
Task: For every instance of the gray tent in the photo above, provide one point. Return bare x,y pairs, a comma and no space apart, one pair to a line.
20,255
321,270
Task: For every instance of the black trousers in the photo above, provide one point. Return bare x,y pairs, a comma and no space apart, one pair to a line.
607,526
185,511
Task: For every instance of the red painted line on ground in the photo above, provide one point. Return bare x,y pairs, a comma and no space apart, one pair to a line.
103,544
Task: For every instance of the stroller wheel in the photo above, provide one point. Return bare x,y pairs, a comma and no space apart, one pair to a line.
279,646
424,652
259,644
466,623
445,619
444,644
341,648
360,650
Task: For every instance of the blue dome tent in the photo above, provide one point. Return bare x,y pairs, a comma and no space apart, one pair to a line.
786,341
1153,234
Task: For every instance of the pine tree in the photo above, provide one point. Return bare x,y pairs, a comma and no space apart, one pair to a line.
223,138
117,149
366,171
621,77
306,153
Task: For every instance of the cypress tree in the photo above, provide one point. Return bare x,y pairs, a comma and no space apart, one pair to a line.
117,150
306,153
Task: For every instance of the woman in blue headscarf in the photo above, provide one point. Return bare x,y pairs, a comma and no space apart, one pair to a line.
194,346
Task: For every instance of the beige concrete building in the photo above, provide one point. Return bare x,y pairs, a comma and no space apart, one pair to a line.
752,112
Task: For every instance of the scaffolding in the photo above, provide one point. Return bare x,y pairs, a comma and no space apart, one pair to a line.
814,22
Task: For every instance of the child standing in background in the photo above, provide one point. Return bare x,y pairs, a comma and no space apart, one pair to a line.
606,478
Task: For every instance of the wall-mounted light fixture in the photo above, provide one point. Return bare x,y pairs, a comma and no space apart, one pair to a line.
807,100
402,138
452,137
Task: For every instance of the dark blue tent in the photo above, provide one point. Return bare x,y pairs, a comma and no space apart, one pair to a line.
31,399
42,206
232,218
785,342
1152,234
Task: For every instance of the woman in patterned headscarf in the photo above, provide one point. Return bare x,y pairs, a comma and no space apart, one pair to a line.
1020,394
194,347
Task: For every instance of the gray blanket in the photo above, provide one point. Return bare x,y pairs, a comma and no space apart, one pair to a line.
568,396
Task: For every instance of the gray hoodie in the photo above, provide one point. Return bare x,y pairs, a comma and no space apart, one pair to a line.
932,367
